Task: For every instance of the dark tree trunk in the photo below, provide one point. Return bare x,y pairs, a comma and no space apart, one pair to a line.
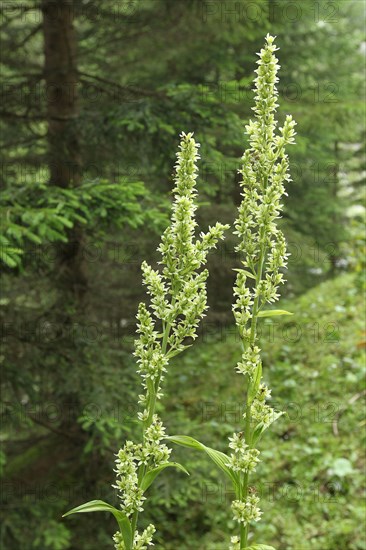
64,158
60,71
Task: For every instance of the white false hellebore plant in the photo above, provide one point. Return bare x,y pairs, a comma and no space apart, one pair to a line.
264,173
177,304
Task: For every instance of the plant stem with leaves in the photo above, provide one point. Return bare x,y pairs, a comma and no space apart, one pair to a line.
263,249
165,325
262,244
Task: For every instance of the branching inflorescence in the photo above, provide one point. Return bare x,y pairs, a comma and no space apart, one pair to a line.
166,325
178,302
263,249
262,243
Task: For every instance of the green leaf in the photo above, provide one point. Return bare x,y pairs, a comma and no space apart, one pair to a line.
219,458
32,237
101,506
173,353
151,475
186,441
254,384
8,260
247,273
258,431
150,386
65,221
273,312
259,547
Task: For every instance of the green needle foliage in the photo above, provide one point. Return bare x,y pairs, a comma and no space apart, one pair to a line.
41,214
178,302
262,244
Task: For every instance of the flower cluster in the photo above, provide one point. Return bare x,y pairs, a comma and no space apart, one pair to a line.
242,459
178,297
264,173
151,453
165,327
246,511
127,479
141,542
261,412
263,247
250,361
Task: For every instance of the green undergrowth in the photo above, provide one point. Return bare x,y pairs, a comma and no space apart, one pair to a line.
310,481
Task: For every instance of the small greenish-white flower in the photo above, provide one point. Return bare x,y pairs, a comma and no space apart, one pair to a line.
264,393
237,442
235,543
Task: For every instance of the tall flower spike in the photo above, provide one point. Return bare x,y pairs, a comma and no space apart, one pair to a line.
262,244
263,247
177,304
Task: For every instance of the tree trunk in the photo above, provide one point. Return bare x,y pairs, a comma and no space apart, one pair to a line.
64,158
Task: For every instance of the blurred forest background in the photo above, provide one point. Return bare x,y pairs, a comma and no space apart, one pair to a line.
94,96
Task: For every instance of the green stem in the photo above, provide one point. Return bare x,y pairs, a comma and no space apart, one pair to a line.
243,536
152,406
244,530
141,473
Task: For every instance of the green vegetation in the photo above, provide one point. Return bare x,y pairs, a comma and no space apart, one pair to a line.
311,476
170,318
94,97
262,247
